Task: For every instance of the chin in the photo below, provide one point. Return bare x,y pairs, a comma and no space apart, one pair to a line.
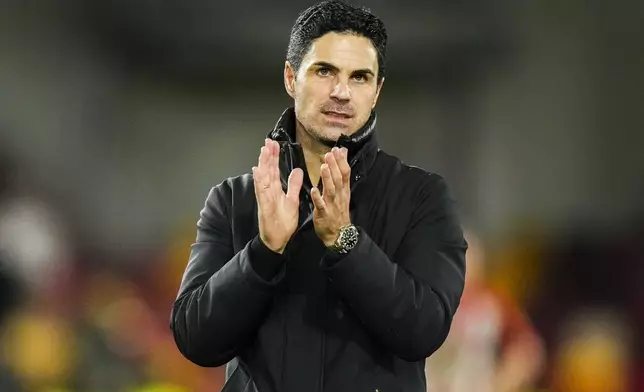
331,134
333,129
328,132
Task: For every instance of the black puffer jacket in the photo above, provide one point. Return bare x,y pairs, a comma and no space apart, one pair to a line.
311,321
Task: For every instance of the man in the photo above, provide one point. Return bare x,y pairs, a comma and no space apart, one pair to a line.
334,266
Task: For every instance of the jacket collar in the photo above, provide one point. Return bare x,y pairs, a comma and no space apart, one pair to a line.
362,147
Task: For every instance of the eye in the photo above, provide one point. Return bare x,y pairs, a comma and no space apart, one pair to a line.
360,78
324,72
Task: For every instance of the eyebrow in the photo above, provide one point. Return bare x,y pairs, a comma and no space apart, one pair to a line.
324,64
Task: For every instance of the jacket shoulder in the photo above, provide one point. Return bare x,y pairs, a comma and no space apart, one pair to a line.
224,197
410,175
240,184
232,188
227,202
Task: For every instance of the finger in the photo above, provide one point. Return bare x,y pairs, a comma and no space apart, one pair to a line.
318,201
295,180
343,165
275,148
269,160
260,176
275,161
264,167
332,161
327,182
259,189
264,159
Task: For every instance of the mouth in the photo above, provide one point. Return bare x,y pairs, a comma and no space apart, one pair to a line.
337,115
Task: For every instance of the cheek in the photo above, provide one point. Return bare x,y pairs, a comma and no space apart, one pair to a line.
306,104
365,103
309,98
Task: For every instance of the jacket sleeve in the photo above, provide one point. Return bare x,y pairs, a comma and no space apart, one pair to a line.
222,299
407,303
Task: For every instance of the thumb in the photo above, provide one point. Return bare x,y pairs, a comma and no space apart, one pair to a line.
295,180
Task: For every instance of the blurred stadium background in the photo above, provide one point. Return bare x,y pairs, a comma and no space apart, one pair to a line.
116,118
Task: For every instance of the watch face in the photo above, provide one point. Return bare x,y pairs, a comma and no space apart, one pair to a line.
349,238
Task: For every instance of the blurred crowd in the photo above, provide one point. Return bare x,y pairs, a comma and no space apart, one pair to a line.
71,324
540,313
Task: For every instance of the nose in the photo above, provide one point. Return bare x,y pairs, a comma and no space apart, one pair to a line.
341,92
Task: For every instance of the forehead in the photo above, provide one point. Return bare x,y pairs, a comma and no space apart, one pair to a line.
346,51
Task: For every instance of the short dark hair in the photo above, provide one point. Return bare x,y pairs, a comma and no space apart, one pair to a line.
337,17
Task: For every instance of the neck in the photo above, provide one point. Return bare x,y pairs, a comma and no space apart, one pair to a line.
313,150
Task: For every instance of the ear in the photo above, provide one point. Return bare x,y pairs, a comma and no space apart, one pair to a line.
375,99
289,79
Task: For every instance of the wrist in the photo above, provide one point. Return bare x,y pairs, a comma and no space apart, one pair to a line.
263,260
328,242
332,238
279,250
273,248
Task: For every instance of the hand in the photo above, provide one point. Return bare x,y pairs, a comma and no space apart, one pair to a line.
277,212
331,211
